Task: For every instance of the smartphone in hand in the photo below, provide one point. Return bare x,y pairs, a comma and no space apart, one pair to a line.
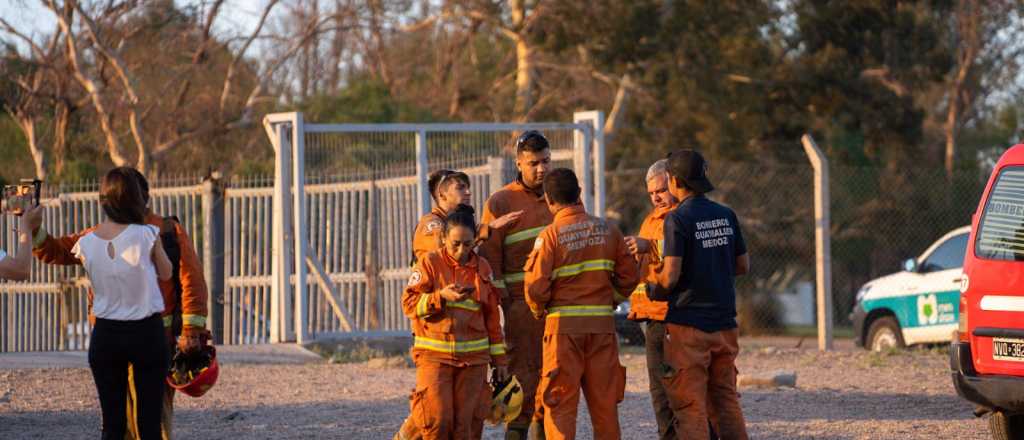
22,197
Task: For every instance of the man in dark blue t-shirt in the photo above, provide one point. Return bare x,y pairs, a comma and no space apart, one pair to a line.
704,252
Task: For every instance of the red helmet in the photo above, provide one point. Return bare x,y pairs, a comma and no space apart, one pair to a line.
194,373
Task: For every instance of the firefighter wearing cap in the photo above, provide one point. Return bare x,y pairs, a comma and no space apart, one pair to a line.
647,247
703,253
507,251
453,307
184,294
578,271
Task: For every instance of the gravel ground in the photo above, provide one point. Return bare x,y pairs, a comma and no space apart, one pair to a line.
845,394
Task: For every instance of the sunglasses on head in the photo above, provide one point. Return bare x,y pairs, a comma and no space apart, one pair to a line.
454,174
527,136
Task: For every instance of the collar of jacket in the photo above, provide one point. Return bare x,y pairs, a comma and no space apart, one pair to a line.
449,260
571,210
521,186
153,219
471,264
660,213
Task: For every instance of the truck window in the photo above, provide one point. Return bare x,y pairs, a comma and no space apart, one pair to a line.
1001,230
949,255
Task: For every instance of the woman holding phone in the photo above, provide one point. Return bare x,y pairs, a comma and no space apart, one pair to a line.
19,266
123,258
454,312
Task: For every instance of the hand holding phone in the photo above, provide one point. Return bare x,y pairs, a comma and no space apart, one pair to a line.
18,199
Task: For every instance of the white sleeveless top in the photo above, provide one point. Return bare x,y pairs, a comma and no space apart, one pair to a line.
124,287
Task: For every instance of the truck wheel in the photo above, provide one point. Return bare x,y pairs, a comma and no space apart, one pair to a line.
884,334
1005,426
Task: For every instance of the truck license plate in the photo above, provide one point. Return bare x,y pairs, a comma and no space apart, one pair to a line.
1006,349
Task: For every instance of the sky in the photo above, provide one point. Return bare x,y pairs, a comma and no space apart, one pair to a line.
32,18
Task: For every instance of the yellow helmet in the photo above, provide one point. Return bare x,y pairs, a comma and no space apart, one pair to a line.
506,401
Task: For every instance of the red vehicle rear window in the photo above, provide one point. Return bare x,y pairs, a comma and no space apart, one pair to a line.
1001,231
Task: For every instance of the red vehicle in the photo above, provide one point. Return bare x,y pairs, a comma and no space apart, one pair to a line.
987,353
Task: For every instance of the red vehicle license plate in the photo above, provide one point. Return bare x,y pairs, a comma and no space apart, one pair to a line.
1007,349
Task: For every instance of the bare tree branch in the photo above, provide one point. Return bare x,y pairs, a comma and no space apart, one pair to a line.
119,66
240,55
64,17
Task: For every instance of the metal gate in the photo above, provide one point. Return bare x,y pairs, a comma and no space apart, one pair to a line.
352,192
347,198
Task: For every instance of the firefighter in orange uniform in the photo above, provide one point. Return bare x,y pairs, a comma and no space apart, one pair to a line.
646,247
184,294
507,251
449,189
578,271
453,307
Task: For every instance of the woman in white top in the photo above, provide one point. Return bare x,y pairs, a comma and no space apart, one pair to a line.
123,258
18,267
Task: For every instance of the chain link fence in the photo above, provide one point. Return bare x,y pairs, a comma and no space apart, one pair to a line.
879,218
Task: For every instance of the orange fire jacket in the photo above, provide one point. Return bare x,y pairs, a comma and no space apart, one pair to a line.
460,333
508,248
430,230
578,271
640,306
57,250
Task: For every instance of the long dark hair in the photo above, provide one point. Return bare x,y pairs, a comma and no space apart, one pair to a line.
121,197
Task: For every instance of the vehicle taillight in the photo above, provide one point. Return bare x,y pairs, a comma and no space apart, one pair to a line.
961,327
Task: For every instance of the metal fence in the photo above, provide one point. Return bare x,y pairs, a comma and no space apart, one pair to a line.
49,312
880,216
359,227
363,193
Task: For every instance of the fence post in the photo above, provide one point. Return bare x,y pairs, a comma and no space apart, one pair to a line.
823,248
595,119
213,253
496,166
281,290
372,266
422,170
582,141
300,224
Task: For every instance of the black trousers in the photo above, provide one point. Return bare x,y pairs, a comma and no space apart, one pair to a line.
115,344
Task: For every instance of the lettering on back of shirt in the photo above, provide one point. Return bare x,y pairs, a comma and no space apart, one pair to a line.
713,233
577,236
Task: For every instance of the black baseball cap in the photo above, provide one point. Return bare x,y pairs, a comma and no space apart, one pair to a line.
689,167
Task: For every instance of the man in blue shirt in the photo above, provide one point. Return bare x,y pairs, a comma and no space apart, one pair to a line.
704,252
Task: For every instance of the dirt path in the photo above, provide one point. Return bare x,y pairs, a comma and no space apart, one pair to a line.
848,394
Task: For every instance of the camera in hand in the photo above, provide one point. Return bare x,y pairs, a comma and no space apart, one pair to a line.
22,197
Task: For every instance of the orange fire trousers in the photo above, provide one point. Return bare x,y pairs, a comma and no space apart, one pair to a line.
449,402
523,336
589,361
701,371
